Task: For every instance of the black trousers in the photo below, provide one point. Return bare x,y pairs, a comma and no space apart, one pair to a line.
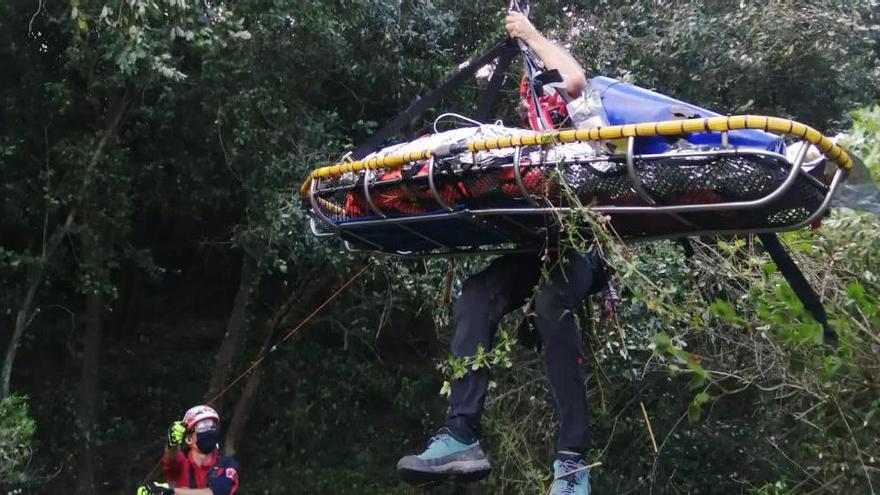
504,286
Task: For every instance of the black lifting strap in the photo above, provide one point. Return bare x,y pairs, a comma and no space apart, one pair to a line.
419,106
192,476
495,83
799,284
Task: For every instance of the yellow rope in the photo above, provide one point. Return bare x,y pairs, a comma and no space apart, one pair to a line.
665,128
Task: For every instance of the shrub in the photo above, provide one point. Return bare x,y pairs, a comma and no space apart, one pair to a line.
16,433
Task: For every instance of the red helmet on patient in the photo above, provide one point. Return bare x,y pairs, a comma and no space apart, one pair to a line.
550,108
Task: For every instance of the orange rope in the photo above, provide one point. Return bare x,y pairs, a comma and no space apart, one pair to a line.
303,323
265,353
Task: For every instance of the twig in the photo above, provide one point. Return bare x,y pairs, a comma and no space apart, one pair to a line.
48,179
830,482
855,443
225,154
674,427
650,430
773,443
33,17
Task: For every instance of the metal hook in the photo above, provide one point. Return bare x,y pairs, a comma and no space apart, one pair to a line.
517,174
433,186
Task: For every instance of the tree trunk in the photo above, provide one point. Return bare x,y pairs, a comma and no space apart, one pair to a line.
244,405
235,326
242,412
24,313
113,119
123,317
86,410
21,322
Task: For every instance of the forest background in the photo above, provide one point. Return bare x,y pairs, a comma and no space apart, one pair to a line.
152,245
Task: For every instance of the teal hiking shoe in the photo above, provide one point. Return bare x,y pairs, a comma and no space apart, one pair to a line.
445,458
570,478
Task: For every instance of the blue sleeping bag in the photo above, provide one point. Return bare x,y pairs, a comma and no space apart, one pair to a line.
624,103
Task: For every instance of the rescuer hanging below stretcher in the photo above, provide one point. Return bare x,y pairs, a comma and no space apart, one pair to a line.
507,284
654,166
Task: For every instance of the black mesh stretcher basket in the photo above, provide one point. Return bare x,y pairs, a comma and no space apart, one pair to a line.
508,192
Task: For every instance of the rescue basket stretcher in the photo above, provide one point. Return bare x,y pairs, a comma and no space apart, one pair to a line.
507,188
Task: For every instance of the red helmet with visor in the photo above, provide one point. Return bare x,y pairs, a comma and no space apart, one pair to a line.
201,418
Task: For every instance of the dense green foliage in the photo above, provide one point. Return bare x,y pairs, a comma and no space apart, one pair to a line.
149,153
16,434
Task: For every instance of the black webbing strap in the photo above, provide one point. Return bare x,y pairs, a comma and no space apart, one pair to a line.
419,106
192,475
495,83
799,284
687,246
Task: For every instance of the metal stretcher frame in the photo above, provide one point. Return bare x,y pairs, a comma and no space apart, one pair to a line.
679,127
481,216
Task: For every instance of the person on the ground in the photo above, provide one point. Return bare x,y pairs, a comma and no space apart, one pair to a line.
192,462
507,284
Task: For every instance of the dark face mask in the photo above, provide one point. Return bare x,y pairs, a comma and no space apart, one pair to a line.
208,441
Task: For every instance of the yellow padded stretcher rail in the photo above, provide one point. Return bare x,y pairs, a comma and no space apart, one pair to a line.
665,128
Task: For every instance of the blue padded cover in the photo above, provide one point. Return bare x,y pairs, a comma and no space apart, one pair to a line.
625,103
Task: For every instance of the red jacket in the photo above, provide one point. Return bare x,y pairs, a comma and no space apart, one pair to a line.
220,474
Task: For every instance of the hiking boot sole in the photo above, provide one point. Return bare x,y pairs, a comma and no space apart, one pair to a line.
465,471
